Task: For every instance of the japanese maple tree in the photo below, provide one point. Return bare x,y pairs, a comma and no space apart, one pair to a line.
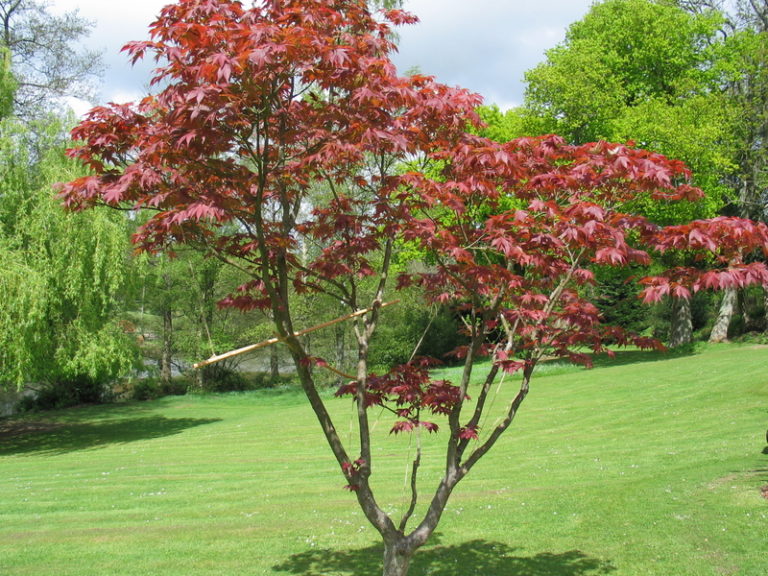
257,109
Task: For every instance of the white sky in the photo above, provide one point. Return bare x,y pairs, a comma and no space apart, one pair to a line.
482,45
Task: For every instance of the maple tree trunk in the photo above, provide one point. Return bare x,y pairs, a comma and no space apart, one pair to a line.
681,330
727,308
397,558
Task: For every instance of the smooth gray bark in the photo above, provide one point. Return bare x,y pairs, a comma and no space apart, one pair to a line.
727,308
681,330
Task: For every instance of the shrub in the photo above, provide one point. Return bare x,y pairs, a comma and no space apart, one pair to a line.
67,392
146,389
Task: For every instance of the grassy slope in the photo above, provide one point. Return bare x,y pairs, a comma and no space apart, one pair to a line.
642,468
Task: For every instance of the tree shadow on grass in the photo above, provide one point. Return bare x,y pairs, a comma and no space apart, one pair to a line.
54,437
555,366
475,558
626,357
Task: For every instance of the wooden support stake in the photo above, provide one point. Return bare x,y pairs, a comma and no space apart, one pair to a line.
271,341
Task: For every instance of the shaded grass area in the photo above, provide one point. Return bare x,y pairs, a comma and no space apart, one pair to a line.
646,465
475,557
57,437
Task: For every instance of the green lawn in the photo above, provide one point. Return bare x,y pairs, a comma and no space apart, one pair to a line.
642,466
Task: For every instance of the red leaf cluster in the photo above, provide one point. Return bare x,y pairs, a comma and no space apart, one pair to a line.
408,391
730,253
257,108
515,230
351,471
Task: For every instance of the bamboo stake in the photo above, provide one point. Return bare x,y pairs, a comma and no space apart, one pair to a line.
271,341
338,372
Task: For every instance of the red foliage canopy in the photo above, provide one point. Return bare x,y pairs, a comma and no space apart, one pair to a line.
257,108
282,141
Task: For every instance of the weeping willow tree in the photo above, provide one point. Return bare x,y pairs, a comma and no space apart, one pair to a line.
61,275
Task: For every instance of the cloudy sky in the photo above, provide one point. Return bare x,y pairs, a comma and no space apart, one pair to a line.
483,45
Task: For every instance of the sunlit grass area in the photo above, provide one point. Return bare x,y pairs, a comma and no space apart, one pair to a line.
645,465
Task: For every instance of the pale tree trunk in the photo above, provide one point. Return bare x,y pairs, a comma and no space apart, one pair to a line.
727,308
308,350
681,330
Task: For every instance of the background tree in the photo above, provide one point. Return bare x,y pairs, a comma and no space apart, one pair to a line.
174,307
62,279
259,105
742,59
62,274
47,61
649,72
623,53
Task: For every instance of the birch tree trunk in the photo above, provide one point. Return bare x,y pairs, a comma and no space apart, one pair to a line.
727,308
681,330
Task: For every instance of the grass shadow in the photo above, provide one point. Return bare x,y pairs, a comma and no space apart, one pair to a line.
57,437
474,558
626,357
621,357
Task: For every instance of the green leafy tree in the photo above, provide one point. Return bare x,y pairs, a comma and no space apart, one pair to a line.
621,54
176,311
650,72
505,126
61,276
744,62
47,59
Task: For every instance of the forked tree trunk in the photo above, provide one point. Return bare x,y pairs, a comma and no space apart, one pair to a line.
727,308
681,330
397,558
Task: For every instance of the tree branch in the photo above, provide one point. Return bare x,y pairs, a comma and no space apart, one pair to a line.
483,449
414,494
